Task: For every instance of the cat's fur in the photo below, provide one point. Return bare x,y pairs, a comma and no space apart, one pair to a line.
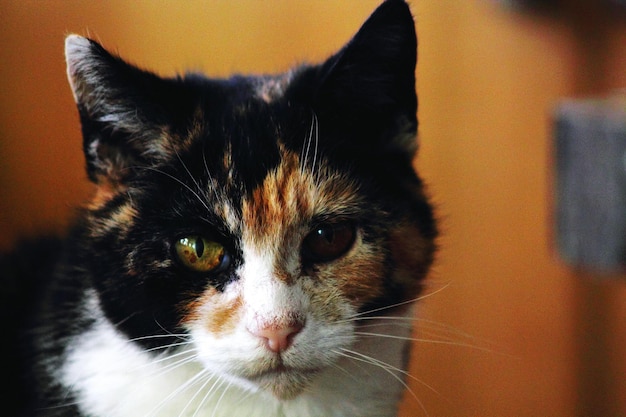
303,179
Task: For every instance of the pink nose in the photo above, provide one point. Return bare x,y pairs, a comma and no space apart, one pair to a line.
278,337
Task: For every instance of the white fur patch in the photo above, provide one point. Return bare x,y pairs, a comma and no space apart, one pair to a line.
113,377
271,88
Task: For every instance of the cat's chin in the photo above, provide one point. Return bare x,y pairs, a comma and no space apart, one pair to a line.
285,383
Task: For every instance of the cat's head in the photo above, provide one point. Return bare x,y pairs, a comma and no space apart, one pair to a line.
257,217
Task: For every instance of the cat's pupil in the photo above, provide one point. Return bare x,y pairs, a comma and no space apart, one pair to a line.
201,254
327,234
199,247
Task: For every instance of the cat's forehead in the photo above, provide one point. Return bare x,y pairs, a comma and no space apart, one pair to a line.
295,193
256,137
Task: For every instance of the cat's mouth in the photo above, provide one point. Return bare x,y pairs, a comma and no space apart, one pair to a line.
284,382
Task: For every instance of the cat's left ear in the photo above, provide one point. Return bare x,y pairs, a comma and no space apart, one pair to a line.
368,88
126,113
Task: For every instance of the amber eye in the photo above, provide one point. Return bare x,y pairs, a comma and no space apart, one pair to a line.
200,254
328,242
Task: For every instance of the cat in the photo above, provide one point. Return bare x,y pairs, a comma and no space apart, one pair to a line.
254,245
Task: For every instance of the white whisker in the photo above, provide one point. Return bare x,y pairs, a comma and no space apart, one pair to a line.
424,325
217,405
190,382
391,306
432,341
183,336
181,183
198,391
317,139
195,182
191,356
306,147
391,370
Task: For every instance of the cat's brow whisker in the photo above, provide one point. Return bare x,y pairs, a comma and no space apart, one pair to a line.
159,171
312,138
208,173
193,179
317,139
306,146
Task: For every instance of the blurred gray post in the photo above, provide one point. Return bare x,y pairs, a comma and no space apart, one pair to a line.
591,183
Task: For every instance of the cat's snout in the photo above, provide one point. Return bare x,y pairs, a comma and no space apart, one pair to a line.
277,335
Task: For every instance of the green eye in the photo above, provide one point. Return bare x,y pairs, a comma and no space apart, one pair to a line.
200,254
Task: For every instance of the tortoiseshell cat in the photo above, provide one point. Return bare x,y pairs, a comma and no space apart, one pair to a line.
250,248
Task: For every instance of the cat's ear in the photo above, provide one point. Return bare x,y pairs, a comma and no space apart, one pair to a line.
370,83
124,111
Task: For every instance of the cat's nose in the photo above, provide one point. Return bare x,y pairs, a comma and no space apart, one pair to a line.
278,336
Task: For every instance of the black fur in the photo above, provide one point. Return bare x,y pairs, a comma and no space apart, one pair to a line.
365,102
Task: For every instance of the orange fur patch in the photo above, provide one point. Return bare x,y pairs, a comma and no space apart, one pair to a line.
121,220
106,190
360,275
216,313
284,199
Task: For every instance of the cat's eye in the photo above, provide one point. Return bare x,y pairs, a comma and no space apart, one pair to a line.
200,254
328,242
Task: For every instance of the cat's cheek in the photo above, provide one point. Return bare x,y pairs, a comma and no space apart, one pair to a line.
217,312
412,255
360,277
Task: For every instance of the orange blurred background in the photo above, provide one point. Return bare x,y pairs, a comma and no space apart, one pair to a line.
546,339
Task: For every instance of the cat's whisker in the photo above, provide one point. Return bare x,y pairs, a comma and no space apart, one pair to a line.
317,139
183,387
217,404
395,305
358,364
424,325
202,374
191,356
183,336
382,364
431,341
172,177
211,181
346,372
364,314
306,147
193,179
169,346
391,370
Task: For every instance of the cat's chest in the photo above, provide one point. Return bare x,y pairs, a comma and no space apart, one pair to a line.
112,377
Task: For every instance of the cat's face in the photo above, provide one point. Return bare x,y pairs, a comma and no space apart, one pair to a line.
254,220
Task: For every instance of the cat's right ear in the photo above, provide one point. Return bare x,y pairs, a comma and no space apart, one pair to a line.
125,112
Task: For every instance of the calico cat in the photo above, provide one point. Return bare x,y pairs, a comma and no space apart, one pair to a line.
253,246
